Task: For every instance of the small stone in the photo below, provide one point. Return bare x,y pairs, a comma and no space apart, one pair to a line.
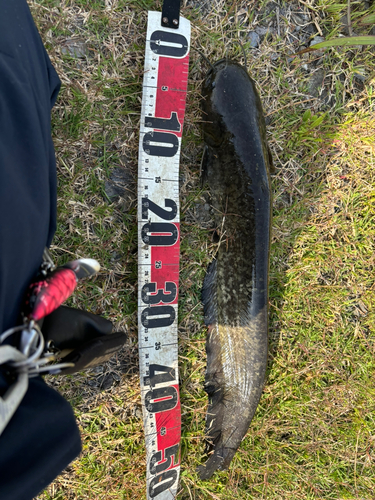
316,40
204,6
138,413
269,8
74,47
261,31
298,19
112,191
115,256
107,382
316,82
254,39
360,76
309,29
118,184
202,212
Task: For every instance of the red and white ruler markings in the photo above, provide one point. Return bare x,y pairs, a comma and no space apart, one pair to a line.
162,116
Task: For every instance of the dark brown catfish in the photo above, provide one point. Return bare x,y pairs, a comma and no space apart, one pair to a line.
236,167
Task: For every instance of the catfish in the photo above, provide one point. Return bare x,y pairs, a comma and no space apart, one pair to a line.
236,167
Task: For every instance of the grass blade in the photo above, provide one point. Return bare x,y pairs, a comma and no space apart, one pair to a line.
370,19
341,42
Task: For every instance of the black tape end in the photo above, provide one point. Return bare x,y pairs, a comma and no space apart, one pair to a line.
170,17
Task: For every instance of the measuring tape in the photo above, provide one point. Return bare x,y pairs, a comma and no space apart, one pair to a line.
162,116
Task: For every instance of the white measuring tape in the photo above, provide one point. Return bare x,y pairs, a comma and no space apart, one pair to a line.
162,116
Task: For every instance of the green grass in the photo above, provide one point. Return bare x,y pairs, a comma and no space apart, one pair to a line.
313,435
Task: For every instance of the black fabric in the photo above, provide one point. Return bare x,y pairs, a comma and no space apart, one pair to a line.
37,444
28,89
87,339
42,437
87,335
69,328
94,352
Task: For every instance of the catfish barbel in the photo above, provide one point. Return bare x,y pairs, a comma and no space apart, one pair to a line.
236,166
